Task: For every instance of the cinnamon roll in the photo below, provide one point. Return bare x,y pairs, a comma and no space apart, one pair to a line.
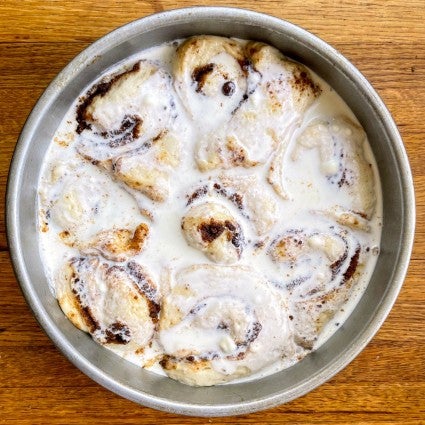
87,217
77,206
149,171
219,323
117,305
124,123
270,95
211,228
319,267
73,205
124,112
343,165
209,75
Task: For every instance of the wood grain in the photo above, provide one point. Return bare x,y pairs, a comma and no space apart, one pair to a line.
385,384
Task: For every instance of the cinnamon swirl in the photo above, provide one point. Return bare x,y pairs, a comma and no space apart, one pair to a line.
124,123
211,228
256,93
219,323
319,266
115,304
340,143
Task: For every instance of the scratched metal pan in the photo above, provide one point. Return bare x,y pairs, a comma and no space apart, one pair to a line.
153,390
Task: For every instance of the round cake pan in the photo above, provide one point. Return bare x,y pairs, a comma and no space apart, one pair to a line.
151,389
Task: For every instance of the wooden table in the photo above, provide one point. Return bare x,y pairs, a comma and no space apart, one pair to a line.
386,383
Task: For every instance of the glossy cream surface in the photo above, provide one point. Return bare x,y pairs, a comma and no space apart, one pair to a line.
209,210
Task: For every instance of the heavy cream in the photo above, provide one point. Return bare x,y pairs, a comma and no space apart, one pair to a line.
209,210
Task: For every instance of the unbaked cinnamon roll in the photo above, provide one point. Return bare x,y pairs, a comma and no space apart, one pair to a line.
344,167
149,171
124,112
124,124
269,95
87,217
319,266
210,76
219,323
76,206
115,304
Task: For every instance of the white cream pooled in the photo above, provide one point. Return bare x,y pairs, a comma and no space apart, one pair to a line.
258,196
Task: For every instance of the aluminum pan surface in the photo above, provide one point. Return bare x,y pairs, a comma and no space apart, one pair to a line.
150,389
